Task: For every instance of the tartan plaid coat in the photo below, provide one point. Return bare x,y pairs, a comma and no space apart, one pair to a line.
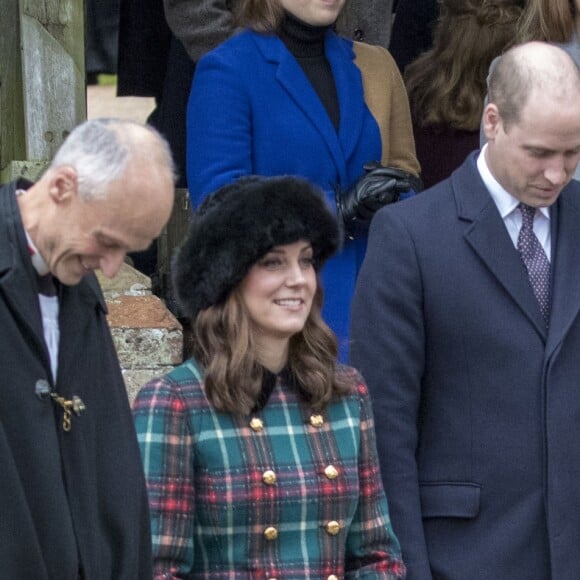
281,493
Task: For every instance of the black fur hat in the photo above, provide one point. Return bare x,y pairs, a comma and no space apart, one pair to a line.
240,223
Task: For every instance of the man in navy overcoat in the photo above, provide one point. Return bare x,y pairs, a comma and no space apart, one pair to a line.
476,392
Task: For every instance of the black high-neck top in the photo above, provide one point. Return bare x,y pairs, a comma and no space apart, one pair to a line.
306,43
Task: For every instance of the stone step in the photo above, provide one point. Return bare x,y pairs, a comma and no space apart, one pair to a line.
147,337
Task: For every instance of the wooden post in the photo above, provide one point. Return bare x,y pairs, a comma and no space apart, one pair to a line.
42,81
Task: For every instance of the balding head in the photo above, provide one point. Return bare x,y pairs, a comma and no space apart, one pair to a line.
108,191
527,68
100,151
532,123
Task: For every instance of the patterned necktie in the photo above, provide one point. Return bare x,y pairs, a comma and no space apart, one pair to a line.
535,260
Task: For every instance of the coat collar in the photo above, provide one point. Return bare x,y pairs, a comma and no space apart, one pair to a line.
565,222
349,89
486,233
18,280
17,277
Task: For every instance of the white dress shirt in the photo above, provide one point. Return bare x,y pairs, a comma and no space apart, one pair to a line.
507,206
49,309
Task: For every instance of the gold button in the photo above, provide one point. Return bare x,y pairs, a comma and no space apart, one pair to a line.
331,472
316,420
332,528
256,424
270,533
269,477
332,577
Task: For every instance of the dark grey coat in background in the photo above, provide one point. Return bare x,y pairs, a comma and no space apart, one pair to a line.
367,20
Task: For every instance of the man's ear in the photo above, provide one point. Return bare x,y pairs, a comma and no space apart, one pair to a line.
63,184
491,121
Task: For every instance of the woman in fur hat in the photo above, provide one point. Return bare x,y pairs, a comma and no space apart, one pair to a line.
259,451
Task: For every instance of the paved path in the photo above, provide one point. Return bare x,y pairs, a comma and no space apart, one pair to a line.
103,102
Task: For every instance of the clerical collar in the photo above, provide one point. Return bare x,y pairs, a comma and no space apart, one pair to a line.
38,262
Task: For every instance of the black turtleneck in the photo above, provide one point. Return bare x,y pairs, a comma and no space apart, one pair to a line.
306,43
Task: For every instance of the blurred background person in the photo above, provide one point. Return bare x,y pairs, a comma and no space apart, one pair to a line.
412,30
285,96
160,42
447,84
101,40
555,21
259,451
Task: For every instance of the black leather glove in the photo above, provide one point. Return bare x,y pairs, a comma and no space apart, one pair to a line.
379,186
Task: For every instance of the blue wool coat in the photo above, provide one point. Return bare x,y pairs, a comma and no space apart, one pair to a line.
252,110
479,404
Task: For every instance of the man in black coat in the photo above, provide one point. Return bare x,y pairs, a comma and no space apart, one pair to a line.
73,502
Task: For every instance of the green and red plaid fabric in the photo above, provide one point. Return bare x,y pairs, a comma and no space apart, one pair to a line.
212,504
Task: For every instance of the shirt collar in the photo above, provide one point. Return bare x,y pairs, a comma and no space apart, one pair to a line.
38,262
506,203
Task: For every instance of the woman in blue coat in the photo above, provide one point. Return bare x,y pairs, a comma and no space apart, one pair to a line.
285,96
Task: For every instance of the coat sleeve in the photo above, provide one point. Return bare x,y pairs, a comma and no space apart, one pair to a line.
386,98
401,141
219,130
200,25
372,549
165,441
388,349
20,553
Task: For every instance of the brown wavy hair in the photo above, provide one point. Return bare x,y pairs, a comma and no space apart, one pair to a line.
447,84
547,20
223,344
259,15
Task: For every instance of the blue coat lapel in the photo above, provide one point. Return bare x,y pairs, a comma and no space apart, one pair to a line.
348,82
349,88
565,221
486,233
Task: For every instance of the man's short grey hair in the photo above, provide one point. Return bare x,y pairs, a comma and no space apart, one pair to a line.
100,149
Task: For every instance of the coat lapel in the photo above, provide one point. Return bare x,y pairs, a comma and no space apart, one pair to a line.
77,310
18,287
19,290
17,279
565,221
349,87
486,233
294,82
